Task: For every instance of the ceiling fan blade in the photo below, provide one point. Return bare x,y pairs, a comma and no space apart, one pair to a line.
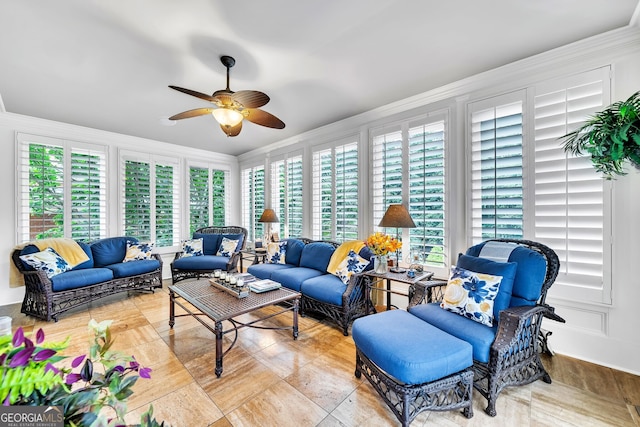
194,93
262,118
250,98
191,113
232,130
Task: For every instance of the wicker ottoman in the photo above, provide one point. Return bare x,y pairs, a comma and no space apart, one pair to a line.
414,366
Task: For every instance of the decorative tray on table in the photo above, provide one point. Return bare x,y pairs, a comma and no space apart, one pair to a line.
236,291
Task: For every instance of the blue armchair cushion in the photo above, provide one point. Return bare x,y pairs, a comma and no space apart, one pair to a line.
478,335
133,268
109,251
292,278
210,242
48,261
530,274
204,262
80,278
227,247
264,271
326,288
294,251
409,349
507,270
317,255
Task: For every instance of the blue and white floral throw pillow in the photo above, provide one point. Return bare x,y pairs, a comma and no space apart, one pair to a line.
138,251
192,248
471,294
277,252
48,261
352,264
227,247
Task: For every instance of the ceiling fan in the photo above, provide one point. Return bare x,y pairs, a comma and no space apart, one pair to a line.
232,107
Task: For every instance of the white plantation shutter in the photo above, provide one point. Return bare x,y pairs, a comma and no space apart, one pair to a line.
61,189
386,170
207,197
167,205
426,155
219,197
335,193
496,167
286,194
253,181
570,209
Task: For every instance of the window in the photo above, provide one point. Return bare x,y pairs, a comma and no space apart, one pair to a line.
150,199
286,191
408,167
335,193
207,197
253,182
62,189
496,168
571,209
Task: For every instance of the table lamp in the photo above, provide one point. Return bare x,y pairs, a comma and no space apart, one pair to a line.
397,216
268,217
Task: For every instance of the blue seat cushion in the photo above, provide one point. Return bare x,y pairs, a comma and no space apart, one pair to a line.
74,279
326,288
409,349
203,262
210,242
133,268
478,335
264,271
110,250
505,269
292,278
294,251
530,274
317,255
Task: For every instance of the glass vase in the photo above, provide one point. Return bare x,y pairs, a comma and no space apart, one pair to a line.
380,264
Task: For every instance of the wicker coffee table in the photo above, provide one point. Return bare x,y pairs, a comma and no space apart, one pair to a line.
219,306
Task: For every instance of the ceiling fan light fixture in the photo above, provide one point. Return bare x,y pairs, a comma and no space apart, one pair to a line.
227,117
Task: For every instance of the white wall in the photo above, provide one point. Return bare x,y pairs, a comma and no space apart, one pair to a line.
10,124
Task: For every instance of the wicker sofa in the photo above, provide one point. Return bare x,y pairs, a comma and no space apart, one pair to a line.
305,271
103,274
203,265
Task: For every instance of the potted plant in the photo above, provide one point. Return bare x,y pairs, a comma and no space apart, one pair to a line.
92,392
611,137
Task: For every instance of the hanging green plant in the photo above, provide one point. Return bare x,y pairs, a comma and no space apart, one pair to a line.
611,137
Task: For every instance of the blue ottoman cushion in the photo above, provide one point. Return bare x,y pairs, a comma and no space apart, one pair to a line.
478,335
409,349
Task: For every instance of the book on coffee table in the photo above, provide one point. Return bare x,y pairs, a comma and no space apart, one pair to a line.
264,285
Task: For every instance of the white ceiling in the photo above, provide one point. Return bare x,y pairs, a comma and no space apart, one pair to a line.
106,64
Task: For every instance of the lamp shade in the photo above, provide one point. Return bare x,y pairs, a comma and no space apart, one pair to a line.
397,216
269,215
227,117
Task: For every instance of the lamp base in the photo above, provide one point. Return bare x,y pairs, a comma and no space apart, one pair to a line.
397,270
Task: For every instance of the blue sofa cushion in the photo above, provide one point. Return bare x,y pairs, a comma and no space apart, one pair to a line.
326,288
210,242
530,274
203,262
505,269
292,278
264,271
317,255
409,349
478,335
89,263
110,250
294,251
73,279
133,268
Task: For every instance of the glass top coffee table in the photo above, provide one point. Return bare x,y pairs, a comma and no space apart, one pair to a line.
219,306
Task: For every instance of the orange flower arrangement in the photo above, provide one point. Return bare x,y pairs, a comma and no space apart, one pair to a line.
382,244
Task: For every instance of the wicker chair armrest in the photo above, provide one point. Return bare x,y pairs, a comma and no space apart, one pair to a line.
517,330
232,264
356,286
37,279
425,292
178,255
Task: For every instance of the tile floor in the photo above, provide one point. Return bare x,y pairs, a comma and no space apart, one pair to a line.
271,380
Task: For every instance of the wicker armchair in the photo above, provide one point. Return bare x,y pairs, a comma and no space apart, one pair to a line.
514,354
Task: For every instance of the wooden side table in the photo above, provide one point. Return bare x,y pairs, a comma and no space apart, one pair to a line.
373,279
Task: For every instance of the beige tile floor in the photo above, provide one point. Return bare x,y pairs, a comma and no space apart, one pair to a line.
271,380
